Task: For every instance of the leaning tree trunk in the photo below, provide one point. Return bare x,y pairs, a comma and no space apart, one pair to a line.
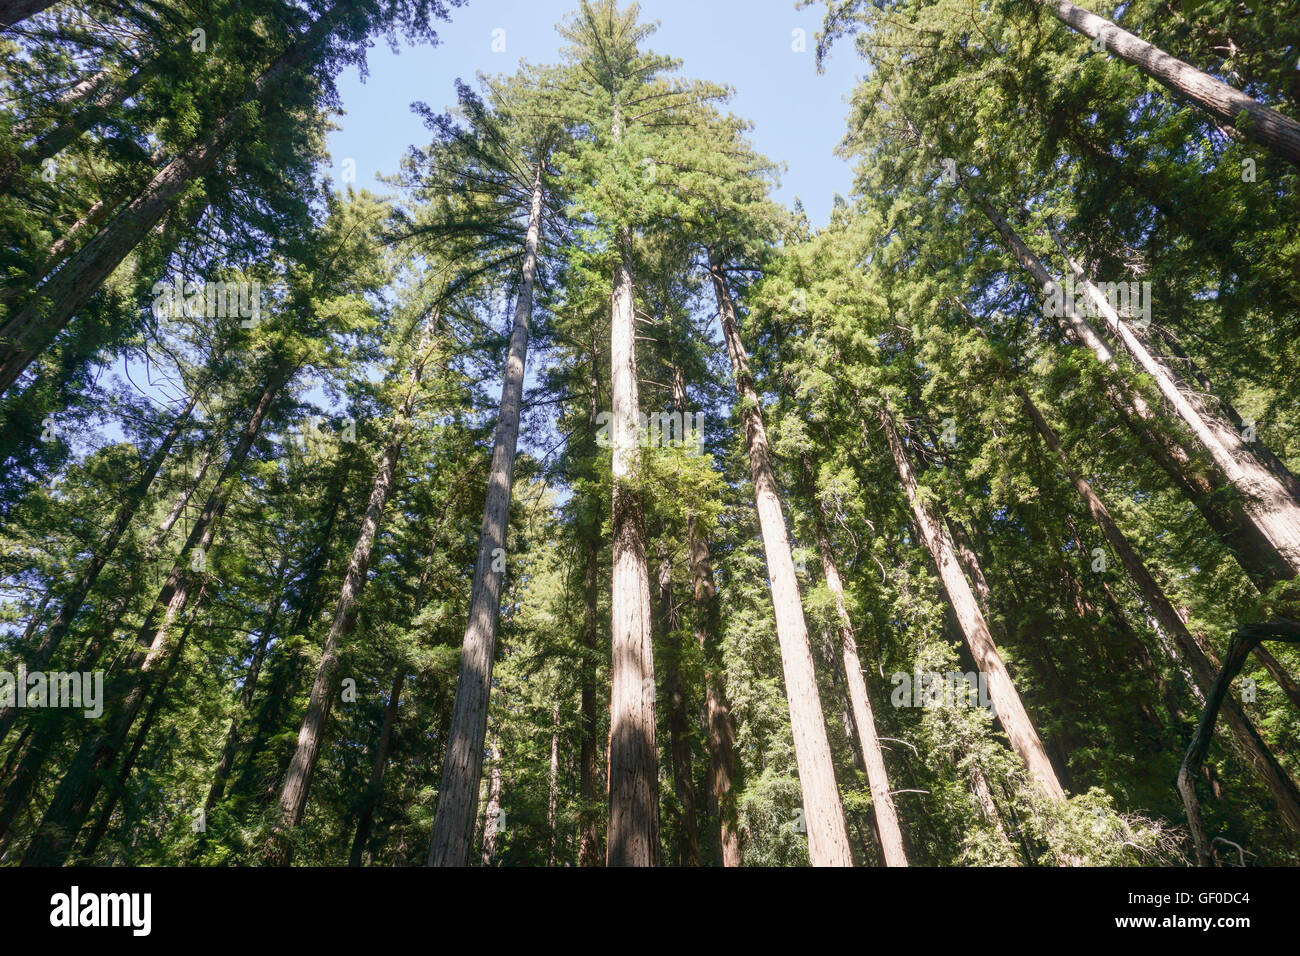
1267,501
1006,700
107,96
1258,556
76,792
81,587
1225,103
453,824
375,788
97,833
45,733
221,775
285,669
70,99
37,323
44,737
828,838
721,736
1254,749
882,803
297,778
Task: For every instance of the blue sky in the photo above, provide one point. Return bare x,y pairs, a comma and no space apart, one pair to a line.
798,115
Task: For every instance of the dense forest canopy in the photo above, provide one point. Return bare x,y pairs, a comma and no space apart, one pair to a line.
567,500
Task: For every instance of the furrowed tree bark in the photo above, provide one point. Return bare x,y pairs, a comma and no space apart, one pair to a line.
679,730
375,788
36,323
1258,556
77,790
721,726
1269,504
1225,103
1006,701
85,581
828,838
1255,751
492,813
633,837
297,779
721,730
453,824
589,849
882,804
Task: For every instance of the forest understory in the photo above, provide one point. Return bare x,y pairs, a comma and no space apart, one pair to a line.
567,499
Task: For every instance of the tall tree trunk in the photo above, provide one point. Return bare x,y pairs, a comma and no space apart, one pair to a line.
81,587
45,734
721,728
97,833
679,729
1225,103
1006,700
633,838
80,784
1258,556
553,788
297,779
589,849
69,99
285,668
1257,754
891,837
107,96
984,797
492,827
828,838
1267,501
231,746
159,536
453,824
375,788
33,326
